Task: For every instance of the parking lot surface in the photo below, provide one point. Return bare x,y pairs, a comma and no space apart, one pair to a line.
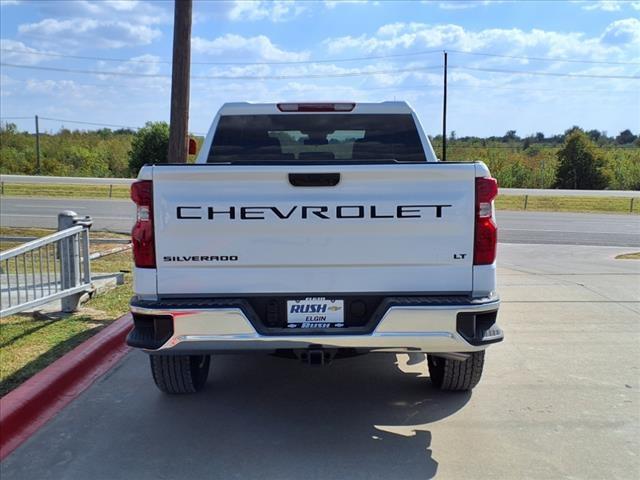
559,399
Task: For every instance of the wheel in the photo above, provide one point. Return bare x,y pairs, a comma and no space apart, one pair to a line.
180,373
454,375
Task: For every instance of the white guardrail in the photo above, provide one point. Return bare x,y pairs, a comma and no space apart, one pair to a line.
28,179
31,179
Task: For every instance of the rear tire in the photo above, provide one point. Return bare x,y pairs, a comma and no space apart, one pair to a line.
453,375
180,374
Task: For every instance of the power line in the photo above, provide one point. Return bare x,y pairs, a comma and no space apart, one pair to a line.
499,87
224,77
63,120
168,62
423,87
313,75
547,74
544,59
325,60
102,124
89,123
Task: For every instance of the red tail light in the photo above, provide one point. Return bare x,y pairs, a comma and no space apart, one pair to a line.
486,236
142,238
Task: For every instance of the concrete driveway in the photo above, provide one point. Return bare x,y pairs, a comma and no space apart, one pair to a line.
559,399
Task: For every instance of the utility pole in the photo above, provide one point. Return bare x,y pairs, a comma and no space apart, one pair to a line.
38,168
444,113
179,123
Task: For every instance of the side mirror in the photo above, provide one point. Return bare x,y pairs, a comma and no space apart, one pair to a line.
193,146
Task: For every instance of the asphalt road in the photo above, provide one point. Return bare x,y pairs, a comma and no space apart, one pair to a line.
559,399
515,227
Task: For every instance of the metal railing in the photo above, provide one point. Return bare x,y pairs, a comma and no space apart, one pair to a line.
50,268
31,179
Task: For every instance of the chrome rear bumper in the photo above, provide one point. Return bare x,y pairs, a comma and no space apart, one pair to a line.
402,328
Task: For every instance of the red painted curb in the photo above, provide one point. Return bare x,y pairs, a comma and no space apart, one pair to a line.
27,408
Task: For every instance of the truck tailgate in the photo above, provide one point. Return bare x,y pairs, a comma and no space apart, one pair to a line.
247,230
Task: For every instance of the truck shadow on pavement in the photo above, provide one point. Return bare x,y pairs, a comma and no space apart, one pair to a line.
259,417
268,417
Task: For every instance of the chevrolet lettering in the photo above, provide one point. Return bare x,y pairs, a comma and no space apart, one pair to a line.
308,212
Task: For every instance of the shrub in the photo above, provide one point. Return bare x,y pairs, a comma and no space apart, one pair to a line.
150,145
580,165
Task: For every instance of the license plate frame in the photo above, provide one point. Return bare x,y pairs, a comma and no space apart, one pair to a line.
315,312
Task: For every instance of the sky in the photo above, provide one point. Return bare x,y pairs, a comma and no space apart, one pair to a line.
526,66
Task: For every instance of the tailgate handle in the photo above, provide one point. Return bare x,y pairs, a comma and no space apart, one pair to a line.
314,179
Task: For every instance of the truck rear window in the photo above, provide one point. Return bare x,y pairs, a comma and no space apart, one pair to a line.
316,138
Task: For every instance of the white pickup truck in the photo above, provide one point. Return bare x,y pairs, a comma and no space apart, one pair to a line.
315,231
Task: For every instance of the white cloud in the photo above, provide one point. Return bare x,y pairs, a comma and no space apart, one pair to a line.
82,31
398,37
335,3
68,91
6,3
276,11
461,4
604,5
623,32
456,5
5,83
103,24
122,5
134,11
22,52
391,29
49,86
259,47
144,64
241,71
608,5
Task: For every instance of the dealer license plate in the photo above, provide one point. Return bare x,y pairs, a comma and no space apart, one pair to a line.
315,313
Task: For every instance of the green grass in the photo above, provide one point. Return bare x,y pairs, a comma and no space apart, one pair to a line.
41,232
28,342
29,345
25,232
65,191
568,204
629,256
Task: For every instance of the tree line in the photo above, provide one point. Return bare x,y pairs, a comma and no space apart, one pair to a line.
576,159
